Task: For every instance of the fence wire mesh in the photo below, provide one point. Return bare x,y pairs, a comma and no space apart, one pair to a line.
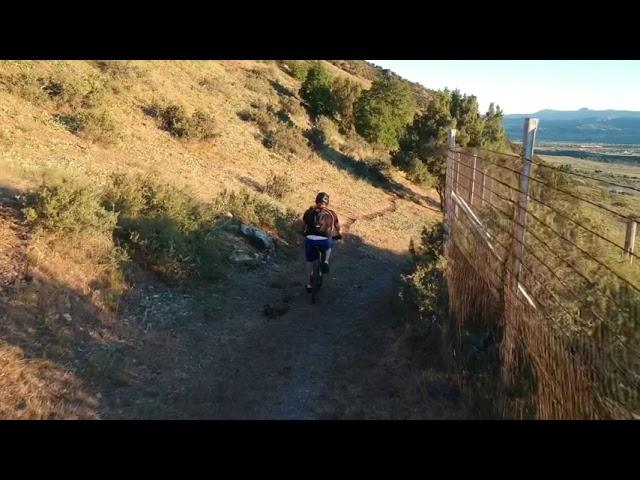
568,289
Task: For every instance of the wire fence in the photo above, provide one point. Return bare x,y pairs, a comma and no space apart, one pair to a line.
556,251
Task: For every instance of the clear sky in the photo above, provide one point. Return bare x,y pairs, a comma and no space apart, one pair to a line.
526,86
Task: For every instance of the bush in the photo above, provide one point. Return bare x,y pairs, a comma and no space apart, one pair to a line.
382,113
95,125
278,186
27,86
62,87
161,226
324,132
316,91
165,229
107,362
286,141
203,126
317,137
79,102
292,106
355,146
123,70
258,210
296,68
69,91
426,286
265,116
65,207
345,94
98,126
174,119
416,170
418,173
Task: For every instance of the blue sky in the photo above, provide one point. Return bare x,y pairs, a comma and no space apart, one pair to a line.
526,86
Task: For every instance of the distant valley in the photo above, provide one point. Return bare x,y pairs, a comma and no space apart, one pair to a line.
580,126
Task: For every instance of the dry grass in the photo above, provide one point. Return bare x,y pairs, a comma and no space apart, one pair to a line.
83,262
41,144
34,389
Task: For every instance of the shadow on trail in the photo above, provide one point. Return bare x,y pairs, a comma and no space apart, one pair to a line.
282,367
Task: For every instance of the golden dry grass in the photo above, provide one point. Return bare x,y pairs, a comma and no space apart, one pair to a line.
36,389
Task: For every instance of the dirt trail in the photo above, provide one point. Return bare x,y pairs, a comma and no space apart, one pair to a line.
327,360
335,359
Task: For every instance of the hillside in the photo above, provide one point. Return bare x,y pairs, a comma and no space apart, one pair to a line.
370,72
126,290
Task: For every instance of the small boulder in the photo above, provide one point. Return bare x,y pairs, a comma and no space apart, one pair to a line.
259,238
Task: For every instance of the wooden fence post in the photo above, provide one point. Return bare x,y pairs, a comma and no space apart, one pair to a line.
449,179
630,239
528,140
473,178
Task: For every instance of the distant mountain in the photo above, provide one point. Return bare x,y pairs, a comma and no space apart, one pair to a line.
582,114
584,125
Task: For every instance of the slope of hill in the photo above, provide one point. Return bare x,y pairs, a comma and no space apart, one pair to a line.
97,321
363,69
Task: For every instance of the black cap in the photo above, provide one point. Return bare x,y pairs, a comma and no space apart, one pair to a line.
322,198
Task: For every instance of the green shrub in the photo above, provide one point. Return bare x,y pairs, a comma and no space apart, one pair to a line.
175,120
345,94
203,126
382,112
286,141
96,125
107,362
165,229
316,91
67,207
426,286
257,210
80,102
160,226
63,88
296,68
415,169
76,93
